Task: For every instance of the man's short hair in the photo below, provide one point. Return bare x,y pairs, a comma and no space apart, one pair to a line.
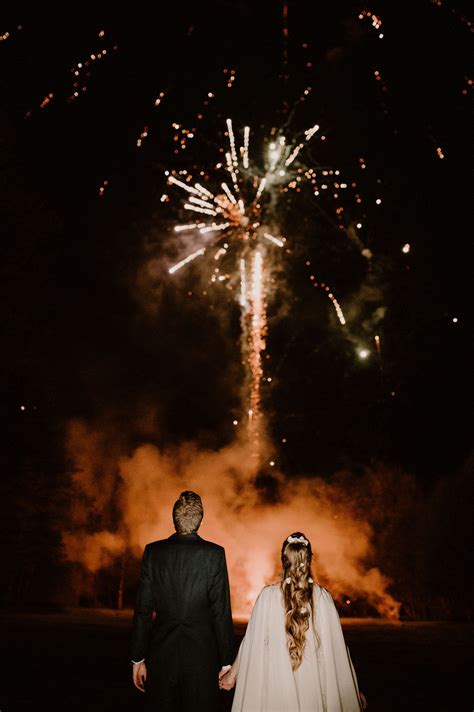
187,513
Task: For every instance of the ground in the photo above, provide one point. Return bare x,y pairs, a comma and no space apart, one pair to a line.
78,661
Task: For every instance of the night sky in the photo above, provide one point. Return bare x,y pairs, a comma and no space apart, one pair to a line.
94,327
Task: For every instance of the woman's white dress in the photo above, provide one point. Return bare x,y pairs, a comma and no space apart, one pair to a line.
325,680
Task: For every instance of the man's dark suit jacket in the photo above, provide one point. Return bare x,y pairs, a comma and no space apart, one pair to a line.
184,580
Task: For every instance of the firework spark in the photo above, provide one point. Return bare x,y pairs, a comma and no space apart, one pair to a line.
186,260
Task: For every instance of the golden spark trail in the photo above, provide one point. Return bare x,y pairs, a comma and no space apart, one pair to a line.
254,323
245,150
186,260
275,240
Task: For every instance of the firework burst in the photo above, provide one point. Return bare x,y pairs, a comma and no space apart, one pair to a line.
238,214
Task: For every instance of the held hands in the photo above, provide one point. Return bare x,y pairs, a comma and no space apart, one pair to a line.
139,676
227,679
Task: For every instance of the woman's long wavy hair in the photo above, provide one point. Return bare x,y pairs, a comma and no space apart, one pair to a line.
297,589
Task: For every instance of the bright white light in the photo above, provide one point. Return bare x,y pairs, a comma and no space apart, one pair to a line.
272,463
455,320
192,226
261,188
184,186
274,239
186,260
201,202
230,131
235,422
203,190
309,133
293,154
197,209
213,228
246,147
406,248
358,226
23,407
274,156
363,353
229,193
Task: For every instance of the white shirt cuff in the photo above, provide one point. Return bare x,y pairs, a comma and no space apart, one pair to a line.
137,662
226,668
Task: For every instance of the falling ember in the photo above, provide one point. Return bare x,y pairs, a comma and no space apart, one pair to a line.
338,309
335,303
159,98
143,136
46,100
103,187
6,35
375,20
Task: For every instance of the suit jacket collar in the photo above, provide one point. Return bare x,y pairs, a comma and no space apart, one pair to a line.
184,537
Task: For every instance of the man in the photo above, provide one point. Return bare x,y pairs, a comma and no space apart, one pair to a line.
176,659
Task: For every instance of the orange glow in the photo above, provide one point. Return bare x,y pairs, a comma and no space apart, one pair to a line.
250,529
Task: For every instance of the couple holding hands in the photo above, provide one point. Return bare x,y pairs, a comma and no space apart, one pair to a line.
293,657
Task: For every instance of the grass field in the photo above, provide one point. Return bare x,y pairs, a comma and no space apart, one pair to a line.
78,661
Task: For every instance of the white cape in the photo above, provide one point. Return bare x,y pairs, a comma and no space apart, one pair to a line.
325,681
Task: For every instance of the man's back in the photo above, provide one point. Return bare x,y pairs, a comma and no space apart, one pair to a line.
184,580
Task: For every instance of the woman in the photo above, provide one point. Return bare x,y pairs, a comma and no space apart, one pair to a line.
293,657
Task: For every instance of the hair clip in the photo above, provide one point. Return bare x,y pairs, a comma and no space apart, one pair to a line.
297,540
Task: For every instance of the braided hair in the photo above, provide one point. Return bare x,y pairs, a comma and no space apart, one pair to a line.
297,589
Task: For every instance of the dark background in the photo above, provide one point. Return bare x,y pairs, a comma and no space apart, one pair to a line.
85,334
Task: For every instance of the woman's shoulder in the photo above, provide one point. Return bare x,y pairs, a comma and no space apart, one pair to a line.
321,591
322,595
270,590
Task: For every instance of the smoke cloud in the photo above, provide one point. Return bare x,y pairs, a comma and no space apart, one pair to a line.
128,499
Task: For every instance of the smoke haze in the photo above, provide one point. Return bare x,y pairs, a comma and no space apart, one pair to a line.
129,499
